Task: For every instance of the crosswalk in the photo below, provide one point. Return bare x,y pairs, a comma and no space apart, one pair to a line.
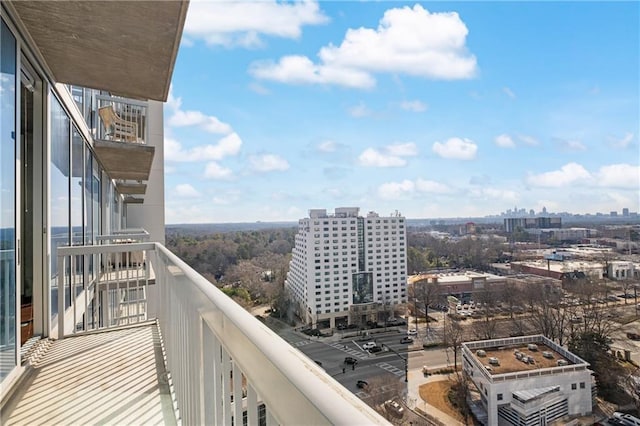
302,343
390,368
353,352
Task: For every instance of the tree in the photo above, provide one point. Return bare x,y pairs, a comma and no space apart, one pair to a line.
427,292
486,327
453,338
458,394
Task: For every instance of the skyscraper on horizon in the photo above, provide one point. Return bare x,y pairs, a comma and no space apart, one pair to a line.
346,268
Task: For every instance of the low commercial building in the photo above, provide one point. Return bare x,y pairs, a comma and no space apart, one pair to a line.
460,284
526,380
557,270
623,270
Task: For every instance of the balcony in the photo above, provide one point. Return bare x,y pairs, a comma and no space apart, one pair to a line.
120,138
147,339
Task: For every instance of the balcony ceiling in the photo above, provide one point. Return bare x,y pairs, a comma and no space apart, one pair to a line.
126,161
125,47
133,200
131,188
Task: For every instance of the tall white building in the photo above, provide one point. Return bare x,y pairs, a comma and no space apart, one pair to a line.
346,268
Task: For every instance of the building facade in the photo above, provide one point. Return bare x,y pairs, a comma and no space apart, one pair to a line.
346,268
513,223
526,381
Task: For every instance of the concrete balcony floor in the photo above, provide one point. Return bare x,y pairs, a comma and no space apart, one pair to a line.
111,377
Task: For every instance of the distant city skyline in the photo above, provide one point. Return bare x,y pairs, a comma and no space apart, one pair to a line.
446,109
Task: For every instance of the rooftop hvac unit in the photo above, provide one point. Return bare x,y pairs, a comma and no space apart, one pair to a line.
547,355
532,347
494,361
481,353
562,362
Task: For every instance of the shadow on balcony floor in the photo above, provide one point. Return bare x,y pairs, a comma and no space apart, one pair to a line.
113,377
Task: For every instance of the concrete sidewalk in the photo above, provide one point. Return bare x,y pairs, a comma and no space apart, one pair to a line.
416,379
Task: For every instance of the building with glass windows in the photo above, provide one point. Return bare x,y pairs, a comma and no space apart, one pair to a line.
346,268
99,322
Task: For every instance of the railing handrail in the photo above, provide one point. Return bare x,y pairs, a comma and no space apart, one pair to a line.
292,387
106,248
123,100
323,400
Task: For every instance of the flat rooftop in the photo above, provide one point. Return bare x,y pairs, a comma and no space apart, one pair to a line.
509,363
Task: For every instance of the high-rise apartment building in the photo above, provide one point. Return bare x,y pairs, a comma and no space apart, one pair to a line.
346,268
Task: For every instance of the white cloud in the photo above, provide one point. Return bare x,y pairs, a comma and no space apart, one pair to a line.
494,194
505,141
196,118
395,190
413,106
456,149
214,170
389,156
327,146
619,176
359,111
399,149
373,158
570,144
529,140
268,163
509,92
185,190
181,118
622,143
240,23
431,186
408,188
408,40
301,70
227,146
568,174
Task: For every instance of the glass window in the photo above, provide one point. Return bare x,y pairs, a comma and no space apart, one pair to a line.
88,191
59,194
7,200
77,204
96,198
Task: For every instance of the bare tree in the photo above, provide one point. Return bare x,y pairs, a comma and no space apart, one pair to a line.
427,292
486,327
453,338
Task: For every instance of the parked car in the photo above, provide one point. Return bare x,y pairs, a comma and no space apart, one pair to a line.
394,408
361,384
406,339
368,345
412,332
633,336
350,360
375,349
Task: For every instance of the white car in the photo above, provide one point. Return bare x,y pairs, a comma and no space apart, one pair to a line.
368,345
412,332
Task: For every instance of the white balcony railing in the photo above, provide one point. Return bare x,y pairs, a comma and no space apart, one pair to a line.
217,354
121,119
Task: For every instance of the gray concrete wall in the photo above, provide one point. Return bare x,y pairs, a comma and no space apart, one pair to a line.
150,214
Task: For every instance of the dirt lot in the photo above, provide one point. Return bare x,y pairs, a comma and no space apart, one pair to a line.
435,394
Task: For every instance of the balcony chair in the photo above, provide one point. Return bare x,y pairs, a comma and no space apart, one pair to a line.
117,128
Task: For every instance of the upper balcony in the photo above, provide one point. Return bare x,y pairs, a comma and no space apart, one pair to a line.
120,138
196,357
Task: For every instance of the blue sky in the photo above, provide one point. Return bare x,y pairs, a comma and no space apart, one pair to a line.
432,109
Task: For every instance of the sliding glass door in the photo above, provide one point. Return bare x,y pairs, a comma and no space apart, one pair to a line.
8,189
